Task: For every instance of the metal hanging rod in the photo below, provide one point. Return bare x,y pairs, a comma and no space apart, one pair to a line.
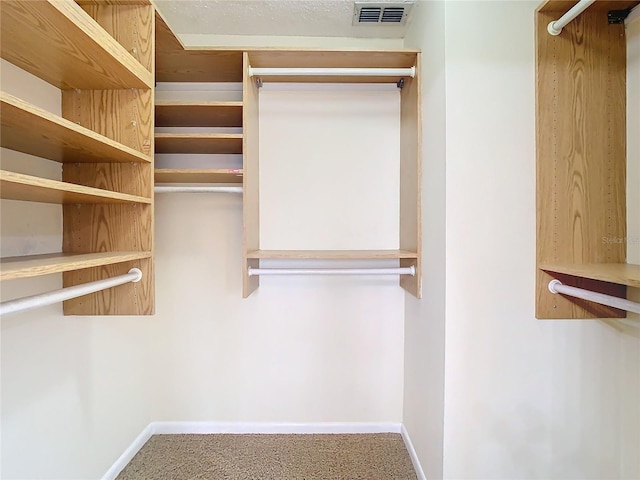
332,271
334,72
555,28
49,298
556,286
172,189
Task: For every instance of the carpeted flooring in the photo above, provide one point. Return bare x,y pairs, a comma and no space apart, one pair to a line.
379,456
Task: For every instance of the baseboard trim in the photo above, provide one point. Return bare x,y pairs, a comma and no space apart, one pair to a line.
271,428
129,453
412,453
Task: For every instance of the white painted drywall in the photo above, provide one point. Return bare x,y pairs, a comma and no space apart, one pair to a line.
425,319
524,398
75,390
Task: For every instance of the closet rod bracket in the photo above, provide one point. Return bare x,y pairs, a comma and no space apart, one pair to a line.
616,17
401,83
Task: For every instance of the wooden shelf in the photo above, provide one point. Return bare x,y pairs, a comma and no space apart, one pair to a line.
332,254
198,114
620,273
35,265
59,42
193,175
29,129
16,186
198,143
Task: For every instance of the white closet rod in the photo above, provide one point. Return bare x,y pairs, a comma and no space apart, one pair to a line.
555,28
350,72
556,286
332,271
171,189
21,304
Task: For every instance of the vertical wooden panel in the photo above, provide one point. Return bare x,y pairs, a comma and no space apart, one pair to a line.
125,116
411,179
131,26
250,182
581,156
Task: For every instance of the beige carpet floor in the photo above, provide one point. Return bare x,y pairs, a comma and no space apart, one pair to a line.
379,456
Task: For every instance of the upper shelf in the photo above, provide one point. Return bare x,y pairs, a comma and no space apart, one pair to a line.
199,114
59,42
193,175
35,131
620,273
215,143
17,186
563,6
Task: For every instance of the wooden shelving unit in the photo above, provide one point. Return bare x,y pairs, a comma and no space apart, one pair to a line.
35,131
581,159
36,265
207,143
198,175
100,54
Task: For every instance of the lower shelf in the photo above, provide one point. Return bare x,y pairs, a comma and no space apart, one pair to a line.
192,175
620,273
36,265
332,254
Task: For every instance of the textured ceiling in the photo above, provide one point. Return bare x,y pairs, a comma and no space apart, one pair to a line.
313,18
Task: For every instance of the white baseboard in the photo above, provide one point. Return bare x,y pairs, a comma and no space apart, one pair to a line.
412,453
266,428
174,428
129,453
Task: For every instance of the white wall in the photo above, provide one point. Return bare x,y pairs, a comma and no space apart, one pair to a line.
425,319
299,349
524,398
74,389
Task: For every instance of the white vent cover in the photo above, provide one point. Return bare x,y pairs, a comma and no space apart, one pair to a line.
381,13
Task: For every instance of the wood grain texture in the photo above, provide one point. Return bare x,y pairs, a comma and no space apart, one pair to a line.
199,114
35,131
130,24
411,179
16,186
334,254
251,180
216,143
309,58
326,79
193,175
622,273
36,265
133,179
58,42
581,156
128,299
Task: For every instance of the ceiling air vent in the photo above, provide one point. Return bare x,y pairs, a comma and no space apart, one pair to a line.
381,13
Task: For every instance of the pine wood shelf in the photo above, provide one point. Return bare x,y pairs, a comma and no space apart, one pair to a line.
59,42
199,114
216,143
192,175
16,186
620,273
29,129
36,265
332,254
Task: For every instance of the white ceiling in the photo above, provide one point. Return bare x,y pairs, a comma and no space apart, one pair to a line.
312,18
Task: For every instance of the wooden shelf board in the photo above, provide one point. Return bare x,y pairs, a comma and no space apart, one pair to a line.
29,129
217,143
198,114
331,254
620,273
193,175
60,43
563,6
305,58
16,186
35,265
